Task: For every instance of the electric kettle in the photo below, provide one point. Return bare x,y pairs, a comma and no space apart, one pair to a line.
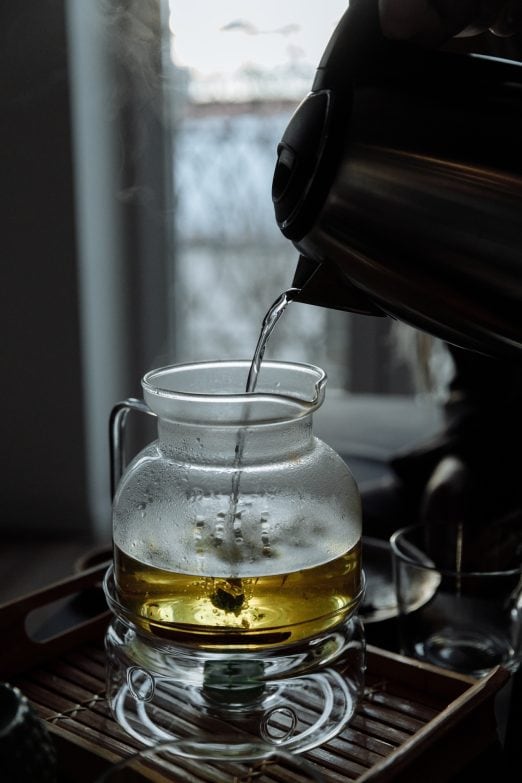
399,181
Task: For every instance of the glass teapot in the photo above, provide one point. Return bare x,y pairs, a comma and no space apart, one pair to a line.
237,553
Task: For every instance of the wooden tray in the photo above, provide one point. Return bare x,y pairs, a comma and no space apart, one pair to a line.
415,722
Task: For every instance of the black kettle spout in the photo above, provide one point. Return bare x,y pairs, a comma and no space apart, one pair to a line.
323,285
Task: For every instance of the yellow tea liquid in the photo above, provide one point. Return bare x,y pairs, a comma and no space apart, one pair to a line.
252,611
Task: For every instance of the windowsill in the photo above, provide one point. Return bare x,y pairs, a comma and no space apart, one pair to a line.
367,430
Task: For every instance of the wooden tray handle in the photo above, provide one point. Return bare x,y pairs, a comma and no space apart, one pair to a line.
71,611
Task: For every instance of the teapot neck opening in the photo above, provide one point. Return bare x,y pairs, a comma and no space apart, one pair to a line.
212,393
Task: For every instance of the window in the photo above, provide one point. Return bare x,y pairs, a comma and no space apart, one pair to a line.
239,71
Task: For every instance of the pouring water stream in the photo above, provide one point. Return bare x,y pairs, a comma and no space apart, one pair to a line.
271,318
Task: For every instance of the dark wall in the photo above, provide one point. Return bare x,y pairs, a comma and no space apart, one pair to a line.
42,462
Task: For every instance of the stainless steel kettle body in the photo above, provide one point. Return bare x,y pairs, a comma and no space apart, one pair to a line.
399,180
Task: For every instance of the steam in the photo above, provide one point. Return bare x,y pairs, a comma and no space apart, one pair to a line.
137,50
138,46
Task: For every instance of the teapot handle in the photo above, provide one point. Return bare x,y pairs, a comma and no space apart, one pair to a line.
117,422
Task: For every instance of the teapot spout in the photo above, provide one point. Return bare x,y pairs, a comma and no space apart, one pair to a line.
322,284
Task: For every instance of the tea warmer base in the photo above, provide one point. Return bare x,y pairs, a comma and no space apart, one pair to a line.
295,697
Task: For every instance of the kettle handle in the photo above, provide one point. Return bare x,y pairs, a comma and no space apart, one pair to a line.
117,422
